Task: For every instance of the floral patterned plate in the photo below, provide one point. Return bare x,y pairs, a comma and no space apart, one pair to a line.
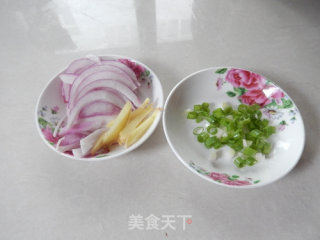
218,85
51,107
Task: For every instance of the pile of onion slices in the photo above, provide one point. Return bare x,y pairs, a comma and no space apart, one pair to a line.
94,91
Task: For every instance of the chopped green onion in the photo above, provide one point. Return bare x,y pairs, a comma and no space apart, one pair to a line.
239,162
268,131
255,133
198,130
217,144
266,148
265,122
202,137
210,142
244,130
250,161
192,115
205,105
255,107
242,108
224,140
237,135
199,119
218,113
259,114
249,151
212,129
197,108
227,108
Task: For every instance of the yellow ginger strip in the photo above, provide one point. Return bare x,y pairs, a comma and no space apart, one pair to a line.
111,135
138,132
133,123
133,113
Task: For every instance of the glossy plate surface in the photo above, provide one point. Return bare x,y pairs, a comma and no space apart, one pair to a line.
233,85
51,108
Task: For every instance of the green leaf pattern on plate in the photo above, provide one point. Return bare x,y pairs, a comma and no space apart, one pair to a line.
221,70
231,94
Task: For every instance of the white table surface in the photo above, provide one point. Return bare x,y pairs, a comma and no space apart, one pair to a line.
46,196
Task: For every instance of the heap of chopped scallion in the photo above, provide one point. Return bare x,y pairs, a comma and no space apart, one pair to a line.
244,130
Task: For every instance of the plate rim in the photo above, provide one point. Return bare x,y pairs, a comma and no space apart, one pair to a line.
261,184
150,131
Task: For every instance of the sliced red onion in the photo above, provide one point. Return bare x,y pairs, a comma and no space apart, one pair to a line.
79,65
69,147
69,142
67,77
110,74
93,70
124,68
89,124
87,143
59,142
55,132
99,108
77,153
92,96
95,91
88,90
94,58
116,86
65,91
71,138
107,94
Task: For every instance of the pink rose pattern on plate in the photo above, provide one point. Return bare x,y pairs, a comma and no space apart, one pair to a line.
224,178
251,88
138,70
245,79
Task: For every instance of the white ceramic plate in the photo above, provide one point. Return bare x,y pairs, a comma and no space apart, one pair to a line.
51,108
218,85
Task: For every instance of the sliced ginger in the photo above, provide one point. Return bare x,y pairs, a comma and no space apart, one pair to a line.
133,123
134,113
128,127
140,109
134,135
111,135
